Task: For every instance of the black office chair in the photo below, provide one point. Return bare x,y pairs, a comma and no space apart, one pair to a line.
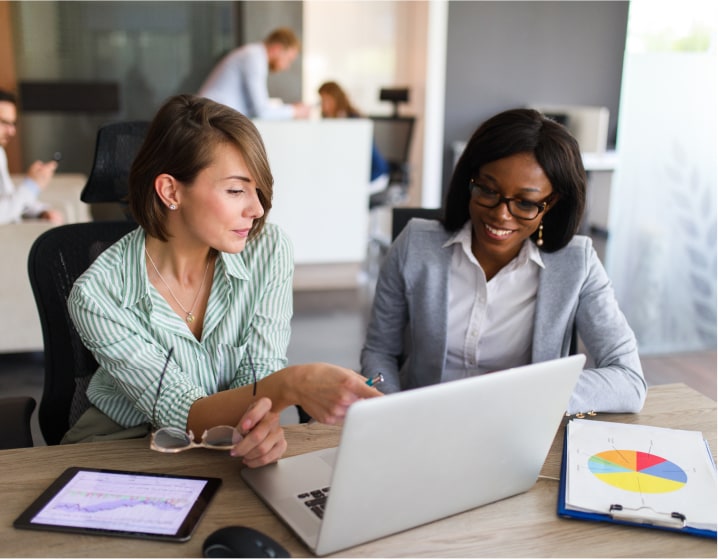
15,414
401,216
57,258
115,150
392,137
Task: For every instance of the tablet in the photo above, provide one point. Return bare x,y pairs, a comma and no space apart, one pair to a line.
121,503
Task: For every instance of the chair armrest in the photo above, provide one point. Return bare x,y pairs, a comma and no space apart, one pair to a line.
15,414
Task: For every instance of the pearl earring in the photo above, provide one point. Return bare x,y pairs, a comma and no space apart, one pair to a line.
539,241
173,207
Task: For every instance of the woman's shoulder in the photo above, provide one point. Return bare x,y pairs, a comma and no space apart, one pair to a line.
578,254
578,245
117,253
421,240
108,271
422,227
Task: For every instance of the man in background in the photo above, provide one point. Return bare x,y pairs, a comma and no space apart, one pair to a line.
18,202
240,78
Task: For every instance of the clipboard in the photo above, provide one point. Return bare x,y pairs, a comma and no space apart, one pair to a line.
673,521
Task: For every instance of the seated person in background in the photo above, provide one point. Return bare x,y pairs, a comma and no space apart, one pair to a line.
205,276
503,278
240,78
21,202
336,104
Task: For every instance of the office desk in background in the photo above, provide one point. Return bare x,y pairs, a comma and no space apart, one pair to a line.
321,174
522,526
23,332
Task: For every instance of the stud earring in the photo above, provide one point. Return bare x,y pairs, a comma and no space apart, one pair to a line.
172,207
539,241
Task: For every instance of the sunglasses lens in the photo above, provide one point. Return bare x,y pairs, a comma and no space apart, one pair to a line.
171,438
221,437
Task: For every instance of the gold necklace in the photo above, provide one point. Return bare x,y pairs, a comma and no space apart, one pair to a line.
190,317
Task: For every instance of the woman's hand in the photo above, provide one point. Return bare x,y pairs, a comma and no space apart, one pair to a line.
263,441
326,391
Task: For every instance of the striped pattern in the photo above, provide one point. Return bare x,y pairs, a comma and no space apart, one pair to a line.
129,328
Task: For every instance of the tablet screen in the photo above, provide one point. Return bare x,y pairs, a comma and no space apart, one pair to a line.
112,502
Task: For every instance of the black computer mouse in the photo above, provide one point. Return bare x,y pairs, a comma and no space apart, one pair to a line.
241,541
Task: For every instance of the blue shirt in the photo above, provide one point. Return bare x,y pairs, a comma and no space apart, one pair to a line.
240,81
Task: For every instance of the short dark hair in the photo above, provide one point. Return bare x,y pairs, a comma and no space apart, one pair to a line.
8,97
556,151
181,142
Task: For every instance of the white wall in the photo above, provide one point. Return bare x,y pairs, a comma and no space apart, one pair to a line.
321,200
367,45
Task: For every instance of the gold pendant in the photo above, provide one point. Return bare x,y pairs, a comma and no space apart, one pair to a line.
189,318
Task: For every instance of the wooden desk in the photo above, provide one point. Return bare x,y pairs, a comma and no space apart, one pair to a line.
522,526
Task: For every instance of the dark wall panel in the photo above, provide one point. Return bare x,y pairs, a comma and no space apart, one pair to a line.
502,55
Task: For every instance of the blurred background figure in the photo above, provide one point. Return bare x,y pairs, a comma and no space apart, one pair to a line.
240,78
18,202
336,104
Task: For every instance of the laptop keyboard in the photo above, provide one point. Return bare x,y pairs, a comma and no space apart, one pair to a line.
315,500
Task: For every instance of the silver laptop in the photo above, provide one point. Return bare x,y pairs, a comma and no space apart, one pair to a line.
410,458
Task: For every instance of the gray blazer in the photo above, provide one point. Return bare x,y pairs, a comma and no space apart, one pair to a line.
409,320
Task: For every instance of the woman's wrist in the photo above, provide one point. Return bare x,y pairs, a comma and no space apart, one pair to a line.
284,386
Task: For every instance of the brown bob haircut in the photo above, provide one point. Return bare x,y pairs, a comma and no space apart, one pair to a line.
181,142
556,151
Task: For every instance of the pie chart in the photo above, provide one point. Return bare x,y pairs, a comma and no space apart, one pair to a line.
640,472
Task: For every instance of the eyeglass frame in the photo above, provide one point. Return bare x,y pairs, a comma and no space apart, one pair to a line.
236,437
540,206
190,436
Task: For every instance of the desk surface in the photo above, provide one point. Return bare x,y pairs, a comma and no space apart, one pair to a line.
522,526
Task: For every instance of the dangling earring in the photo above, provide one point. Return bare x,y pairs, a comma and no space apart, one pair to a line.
539,241
172,207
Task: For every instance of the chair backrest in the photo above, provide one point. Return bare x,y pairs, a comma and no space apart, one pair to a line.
57,258
400,216
115,150
392,137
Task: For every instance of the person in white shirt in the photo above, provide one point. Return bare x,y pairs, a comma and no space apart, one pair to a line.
18,202
240,79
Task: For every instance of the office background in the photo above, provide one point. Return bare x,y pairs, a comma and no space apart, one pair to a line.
491,56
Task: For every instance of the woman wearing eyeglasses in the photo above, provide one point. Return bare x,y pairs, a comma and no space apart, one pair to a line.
187,312
503,278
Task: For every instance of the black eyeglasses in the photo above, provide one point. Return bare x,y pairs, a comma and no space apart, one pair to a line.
519,208
173,439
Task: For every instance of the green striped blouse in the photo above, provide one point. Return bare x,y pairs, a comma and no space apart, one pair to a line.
130,328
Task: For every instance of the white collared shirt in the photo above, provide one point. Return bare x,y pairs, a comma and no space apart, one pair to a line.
490,324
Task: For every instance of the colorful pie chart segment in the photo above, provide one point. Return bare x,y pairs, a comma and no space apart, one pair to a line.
640,472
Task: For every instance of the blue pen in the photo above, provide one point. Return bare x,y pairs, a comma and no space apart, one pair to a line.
375,379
